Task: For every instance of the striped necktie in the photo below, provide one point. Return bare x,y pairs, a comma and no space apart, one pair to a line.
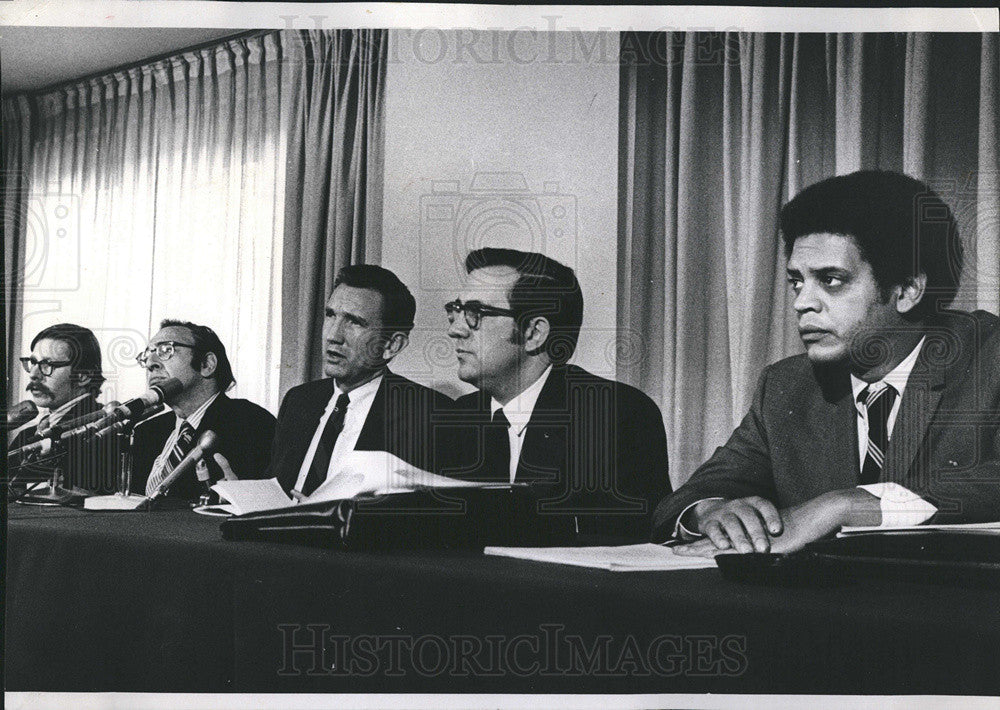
182,447
878,403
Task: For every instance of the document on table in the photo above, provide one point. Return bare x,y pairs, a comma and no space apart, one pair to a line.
620,558
248,496
361,473
966,528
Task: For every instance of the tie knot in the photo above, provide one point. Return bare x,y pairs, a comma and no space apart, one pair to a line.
342,402
500,419
873,393
186,429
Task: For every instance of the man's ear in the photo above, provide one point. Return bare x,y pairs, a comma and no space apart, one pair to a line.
911,292
536,334
208,366
395,344
81,379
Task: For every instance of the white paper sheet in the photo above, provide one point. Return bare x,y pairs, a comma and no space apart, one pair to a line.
621,558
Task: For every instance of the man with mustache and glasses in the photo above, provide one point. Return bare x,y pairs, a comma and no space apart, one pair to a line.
892,415
195,355
360,404
65,379
593,450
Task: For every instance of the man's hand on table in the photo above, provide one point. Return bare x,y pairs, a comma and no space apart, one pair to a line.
754,524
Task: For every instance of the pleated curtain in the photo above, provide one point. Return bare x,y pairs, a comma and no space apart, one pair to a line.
180,188
717,131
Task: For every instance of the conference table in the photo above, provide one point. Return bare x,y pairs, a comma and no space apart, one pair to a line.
158,601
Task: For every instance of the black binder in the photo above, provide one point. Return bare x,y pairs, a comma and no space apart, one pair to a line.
954,558
442,518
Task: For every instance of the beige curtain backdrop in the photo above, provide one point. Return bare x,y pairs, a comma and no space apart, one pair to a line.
169,190
15,178
333,214
718,130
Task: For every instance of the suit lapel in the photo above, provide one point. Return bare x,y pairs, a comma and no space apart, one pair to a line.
373,432
917,408
216,411
832,420
544,451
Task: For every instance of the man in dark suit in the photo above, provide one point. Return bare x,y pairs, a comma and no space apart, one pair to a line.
891,417
65,380
360,405
195,355
597,448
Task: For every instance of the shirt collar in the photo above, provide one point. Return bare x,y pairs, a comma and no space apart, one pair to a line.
897,377
518,410
197,415
359,394
57,414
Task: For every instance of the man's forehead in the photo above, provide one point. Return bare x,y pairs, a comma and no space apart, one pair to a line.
490,285
365,302
53,349
177,333
823,250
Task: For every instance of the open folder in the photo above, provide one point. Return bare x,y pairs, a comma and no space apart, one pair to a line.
361,473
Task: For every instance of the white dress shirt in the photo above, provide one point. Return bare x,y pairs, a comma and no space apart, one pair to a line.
360,404
518,412
899,505
194,420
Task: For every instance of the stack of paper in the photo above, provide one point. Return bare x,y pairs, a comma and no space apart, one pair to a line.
361,473
622,558
966,529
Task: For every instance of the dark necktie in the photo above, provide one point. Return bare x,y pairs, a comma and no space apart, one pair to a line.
879,404
327,440
182,447
498,447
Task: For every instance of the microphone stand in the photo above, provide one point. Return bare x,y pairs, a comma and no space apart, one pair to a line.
122,498
51,493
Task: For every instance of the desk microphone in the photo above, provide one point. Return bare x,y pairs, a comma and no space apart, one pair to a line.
20,413
134,408
205,446
123,426
59,430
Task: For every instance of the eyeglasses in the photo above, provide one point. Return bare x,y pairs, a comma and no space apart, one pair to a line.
164,351
45,366
474,312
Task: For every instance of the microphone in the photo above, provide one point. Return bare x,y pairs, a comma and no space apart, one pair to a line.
20,413
54,438
119,427
206,444
59,428
132,409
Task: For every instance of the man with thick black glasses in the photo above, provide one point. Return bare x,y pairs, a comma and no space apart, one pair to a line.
596,447
194,355
65,379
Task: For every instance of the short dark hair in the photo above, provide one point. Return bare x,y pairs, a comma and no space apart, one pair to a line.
900,225
206,341
84,348
398,305
544,287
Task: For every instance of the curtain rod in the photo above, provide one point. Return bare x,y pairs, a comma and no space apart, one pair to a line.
142,62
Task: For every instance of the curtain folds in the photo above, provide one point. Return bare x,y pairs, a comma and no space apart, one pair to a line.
717,131
172,189
16,177
333,196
